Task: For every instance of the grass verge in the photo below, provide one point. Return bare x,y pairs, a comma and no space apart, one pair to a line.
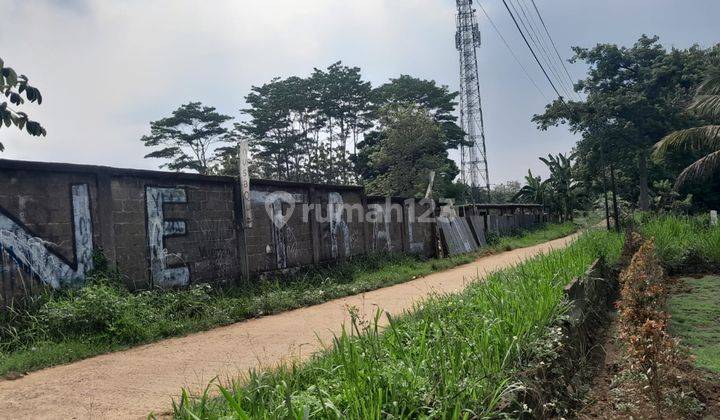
696,319
455,356
63,327
683,241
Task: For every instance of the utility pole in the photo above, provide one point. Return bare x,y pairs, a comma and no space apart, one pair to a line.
605,189
473,155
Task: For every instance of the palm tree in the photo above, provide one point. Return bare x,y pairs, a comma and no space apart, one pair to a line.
533,191
706,105
563,189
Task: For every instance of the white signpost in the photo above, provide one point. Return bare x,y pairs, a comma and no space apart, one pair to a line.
713,218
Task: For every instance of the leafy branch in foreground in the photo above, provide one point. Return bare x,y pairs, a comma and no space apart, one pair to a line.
13,87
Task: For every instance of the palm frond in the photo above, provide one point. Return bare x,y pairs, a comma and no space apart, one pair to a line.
692,139
711,85
706,106
701,169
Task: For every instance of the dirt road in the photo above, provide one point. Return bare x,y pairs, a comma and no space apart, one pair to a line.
135,382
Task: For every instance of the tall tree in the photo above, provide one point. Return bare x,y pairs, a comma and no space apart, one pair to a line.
13,87
704,139
439,102
188,138
344,103
279,126
302,128
412,145
640,90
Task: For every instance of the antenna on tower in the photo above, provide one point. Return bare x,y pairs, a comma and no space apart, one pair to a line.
473,156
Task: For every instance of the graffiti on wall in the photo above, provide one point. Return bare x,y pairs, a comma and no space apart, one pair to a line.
337,224
32,253
280,206
159,228
380,216
415,247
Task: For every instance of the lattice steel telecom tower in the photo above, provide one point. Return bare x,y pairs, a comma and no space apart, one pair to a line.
473,160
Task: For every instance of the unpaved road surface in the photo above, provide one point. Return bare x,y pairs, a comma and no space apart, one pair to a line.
135,382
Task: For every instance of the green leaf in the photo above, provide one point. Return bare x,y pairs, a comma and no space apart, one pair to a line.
233,403
10,76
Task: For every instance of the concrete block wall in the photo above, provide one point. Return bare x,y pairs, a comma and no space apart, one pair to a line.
175,229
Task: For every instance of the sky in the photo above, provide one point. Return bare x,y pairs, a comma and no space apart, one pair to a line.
108,67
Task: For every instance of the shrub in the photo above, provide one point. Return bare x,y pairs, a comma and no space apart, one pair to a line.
98,309
643,324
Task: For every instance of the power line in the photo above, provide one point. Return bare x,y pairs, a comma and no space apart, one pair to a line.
553,43
545,49
531,49
517,60
530,31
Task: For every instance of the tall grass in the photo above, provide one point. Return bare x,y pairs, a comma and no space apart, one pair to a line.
454,356
680,240
62,327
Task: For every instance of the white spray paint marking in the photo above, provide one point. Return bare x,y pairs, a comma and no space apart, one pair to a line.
335,211
415,247
162,275
278,233
32,254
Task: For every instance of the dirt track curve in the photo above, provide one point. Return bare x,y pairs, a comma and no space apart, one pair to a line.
135,382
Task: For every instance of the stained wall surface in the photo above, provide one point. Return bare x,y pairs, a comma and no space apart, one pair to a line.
174,229
165,229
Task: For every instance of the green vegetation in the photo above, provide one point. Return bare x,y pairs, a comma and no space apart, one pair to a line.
12,87
704,139
632,97
455,356
189,138
410,146
682,240
104,316
534,237
695,316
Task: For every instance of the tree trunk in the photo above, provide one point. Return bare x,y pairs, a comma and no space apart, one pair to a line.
644,199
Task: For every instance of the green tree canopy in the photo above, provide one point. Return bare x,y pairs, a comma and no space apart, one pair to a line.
439,102
189,138
634,96
13,87
300,129
412,145
704,139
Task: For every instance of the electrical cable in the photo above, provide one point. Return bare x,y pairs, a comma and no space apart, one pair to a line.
517,60
531,49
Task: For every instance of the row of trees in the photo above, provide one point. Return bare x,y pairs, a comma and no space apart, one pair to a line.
329,127
634,97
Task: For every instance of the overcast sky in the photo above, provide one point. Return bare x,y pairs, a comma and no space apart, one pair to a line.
108,67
